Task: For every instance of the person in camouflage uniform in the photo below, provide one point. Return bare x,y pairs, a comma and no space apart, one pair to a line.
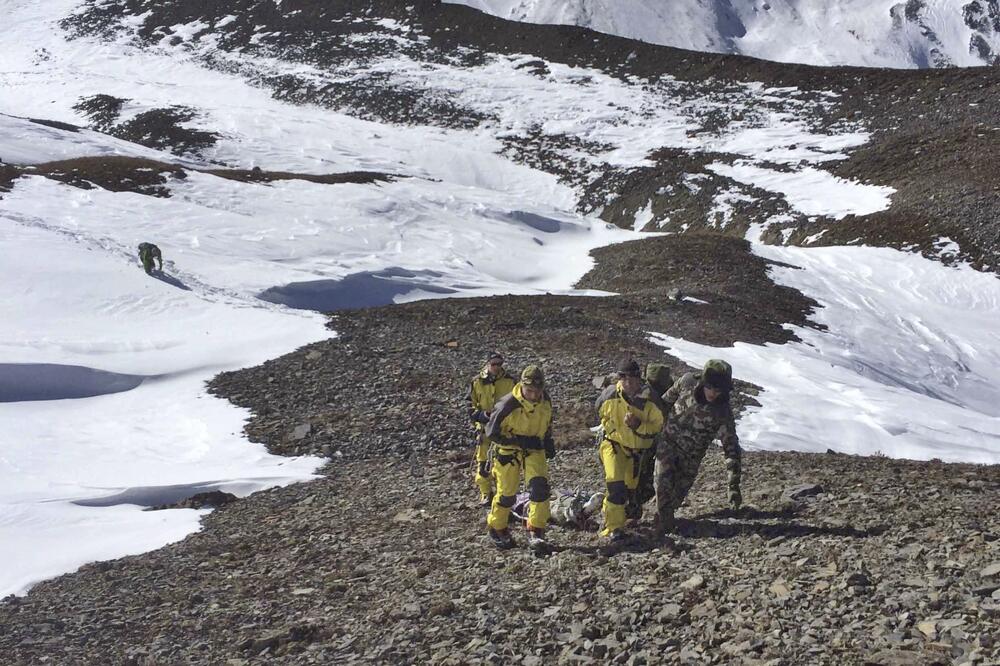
658,380
698,411
148,253
572,509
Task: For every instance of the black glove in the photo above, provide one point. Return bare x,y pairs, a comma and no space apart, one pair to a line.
484,468
479,416
550,449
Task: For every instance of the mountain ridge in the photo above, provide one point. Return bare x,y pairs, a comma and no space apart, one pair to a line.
907,34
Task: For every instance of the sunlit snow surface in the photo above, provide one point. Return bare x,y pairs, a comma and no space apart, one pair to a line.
460,218
873,33
74,294
909,366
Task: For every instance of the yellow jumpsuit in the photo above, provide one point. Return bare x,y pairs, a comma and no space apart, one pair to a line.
522,430
622,448
484,391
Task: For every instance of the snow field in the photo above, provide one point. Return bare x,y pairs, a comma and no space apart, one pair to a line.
75,295
816,32
909,365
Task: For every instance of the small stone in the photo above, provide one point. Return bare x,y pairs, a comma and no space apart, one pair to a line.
895,658
803,491
704,609
442,609
828,570
303,591
928,629
693,583
859,579
991,570
985,590
301,431
668,612
780,590
409,516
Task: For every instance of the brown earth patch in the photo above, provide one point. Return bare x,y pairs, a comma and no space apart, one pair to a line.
151,177
259,176
115,174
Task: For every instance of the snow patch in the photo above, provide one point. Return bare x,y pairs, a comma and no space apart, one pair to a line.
811,191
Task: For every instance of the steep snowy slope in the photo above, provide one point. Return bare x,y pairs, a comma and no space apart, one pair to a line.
880,33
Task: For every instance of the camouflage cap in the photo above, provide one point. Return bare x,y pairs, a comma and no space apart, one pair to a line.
533,376
718,374
658,376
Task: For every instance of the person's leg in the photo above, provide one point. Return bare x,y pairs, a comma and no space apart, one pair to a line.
633,510
687,466
482,471
647,478
615,463
507,473
536,476
666,484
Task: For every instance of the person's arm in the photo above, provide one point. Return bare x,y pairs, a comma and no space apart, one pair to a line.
606,394
734,457
549,443
652,421
673,394
476,415
501,410
604,408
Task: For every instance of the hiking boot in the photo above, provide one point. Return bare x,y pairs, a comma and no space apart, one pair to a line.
536,538
618,536
501,538
486,500
665,523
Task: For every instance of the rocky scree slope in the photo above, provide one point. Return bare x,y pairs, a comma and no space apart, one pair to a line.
838,560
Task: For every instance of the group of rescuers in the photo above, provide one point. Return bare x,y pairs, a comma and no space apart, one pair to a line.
644,417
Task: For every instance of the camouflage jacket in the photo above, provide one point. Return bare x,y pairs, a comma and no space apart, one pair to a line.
693,422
